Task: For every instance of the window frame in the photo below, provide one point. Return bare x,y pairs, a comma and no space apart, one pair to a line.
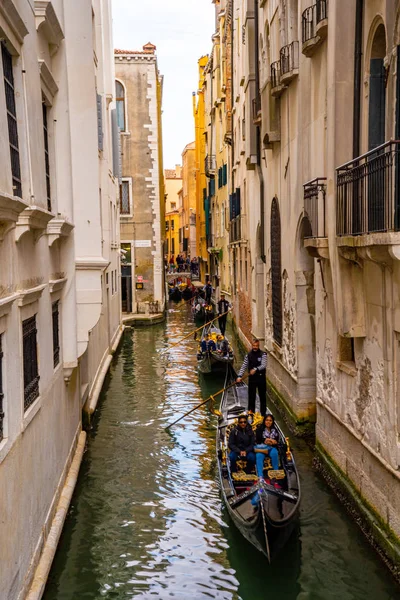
47,168
31,387
122,99
2,413
130,213
55,310
14,149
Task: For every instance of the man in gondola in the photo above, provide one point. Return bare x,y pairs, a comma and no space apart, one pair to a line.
223,307
241,444
255,363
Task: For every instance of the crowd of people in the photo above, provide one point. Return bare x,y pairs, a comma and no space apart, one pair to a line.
182,264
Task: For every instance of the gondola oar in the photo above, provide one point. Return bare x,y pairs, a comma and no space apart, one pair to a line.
194,331
212,397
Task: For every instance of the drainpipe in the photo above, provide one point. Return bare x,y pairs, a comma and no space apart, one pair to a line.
232,94
258,133
357,78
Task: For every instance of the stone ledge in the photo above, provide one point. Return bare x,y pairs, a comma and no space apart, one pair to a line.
139,320
380,536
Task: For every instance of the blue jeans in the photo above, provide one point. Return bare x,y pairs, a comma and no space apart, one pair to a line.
234,456
260,457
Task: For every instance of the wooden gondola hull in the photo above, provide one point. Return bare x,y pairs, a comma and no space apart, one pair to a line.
265,514
175,294
212,363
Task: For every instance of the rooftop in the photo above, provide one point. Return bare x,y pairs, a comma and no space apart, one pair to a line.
148,48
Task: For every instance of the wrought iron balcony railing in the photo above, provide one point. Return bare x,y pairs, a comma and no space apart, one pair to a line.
276,85
368,192
314,206
289,59
312,16
210,164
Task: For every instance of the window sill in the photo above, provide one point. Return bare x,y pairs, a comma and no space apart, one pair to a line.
31,413
347,367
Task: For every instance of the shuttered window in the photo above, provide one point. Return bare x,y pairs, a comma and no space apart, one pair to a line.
31,373
56,334
125,205
12,120
120,99
46,154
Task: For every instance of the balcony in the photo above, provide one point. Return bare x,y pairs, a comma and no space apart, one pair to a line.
277,86
368,200
210,165
289,59
315,234
314,26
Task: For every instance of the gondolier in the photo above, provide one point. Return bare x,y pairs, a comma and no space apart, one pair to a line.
223,307
256,364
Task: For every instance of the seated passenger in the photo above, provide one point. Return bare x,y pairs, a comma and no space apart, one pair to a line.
223,345
241,444
267,438
204,343
211,345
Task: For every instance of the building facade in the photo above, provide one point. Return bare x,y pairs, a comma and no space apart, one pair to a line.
59,261
312,105
187,210
173,187
139,100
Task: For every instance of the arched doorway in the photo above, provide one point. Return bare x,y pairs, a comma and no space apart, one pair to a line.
276,272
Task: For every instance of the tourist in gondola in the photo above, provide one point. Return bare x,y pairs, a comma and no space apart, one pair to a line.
241,444
267,437
223,307
223,345
255,363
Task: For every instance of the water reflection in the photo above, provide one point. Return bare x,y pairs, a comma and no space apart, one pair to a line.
146,519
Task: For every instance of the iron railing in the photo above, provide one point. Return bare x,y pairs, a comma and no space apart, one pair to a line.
368,192
311,17
31,372
314,206
210,164
289,58
275,74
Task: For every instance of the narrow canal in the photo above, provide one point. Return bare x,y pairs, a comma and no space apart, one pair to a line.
146,518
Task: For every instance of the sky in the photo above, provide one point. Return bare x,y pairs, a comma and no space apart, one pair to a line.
181,30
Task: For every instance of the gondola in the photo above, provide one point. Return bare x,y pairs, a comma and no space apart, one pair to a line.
268,525
174,293
198,309
208,362
187,292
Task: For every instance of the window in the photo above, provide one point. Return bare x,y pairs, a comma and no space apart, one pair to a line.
173,205
112,283
173,246
46,155
56,334
125,197
31,374
116,281
120,99
126,251
166,226
12,120
173,224
1,391
276,272
346,349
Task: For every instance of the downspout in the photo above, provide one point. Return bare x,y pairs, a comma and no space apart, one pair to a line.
232,95
258,133
357,78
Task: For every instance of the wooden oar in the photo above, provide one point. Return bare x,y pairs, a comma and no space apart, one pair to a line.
194,331
212,397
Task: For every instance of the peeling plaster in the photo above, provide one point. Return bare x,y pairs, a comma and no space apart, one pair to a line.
289,350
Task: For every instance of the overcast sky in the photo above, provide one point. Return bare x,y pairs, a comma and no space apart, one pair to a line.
181,30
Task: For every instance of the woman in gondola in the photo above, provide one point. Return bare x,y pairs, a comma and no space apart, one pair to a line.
267,438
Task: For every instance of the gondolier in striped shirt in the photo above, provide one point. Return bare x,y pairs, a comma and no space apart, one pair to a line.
256,364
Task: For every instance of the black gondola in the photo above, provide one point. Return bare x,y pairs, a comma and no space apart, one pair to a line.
174,293
210,361
270,523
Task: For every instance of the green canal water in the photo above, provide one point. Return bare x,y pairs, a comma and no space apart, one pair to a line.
146,519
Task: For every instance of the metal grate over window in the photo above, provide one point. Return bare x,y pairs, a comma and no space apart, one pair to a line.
12,120
46,155
31,374
56,334
124,199
276,272
1,392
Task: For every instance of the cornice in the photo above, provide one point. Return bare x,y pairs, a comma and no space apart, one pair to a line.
57,229
136,58
6,304
47,77
33,218
91,263
55,285
31,295
10,209
10,13
47,21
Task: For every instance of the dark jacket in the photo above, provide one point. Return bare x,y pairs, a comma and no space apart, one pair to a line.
260,431
240,440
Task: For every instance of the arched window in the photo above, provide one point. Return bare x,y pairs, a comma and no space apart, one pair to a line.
377,90
120,99
276,272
